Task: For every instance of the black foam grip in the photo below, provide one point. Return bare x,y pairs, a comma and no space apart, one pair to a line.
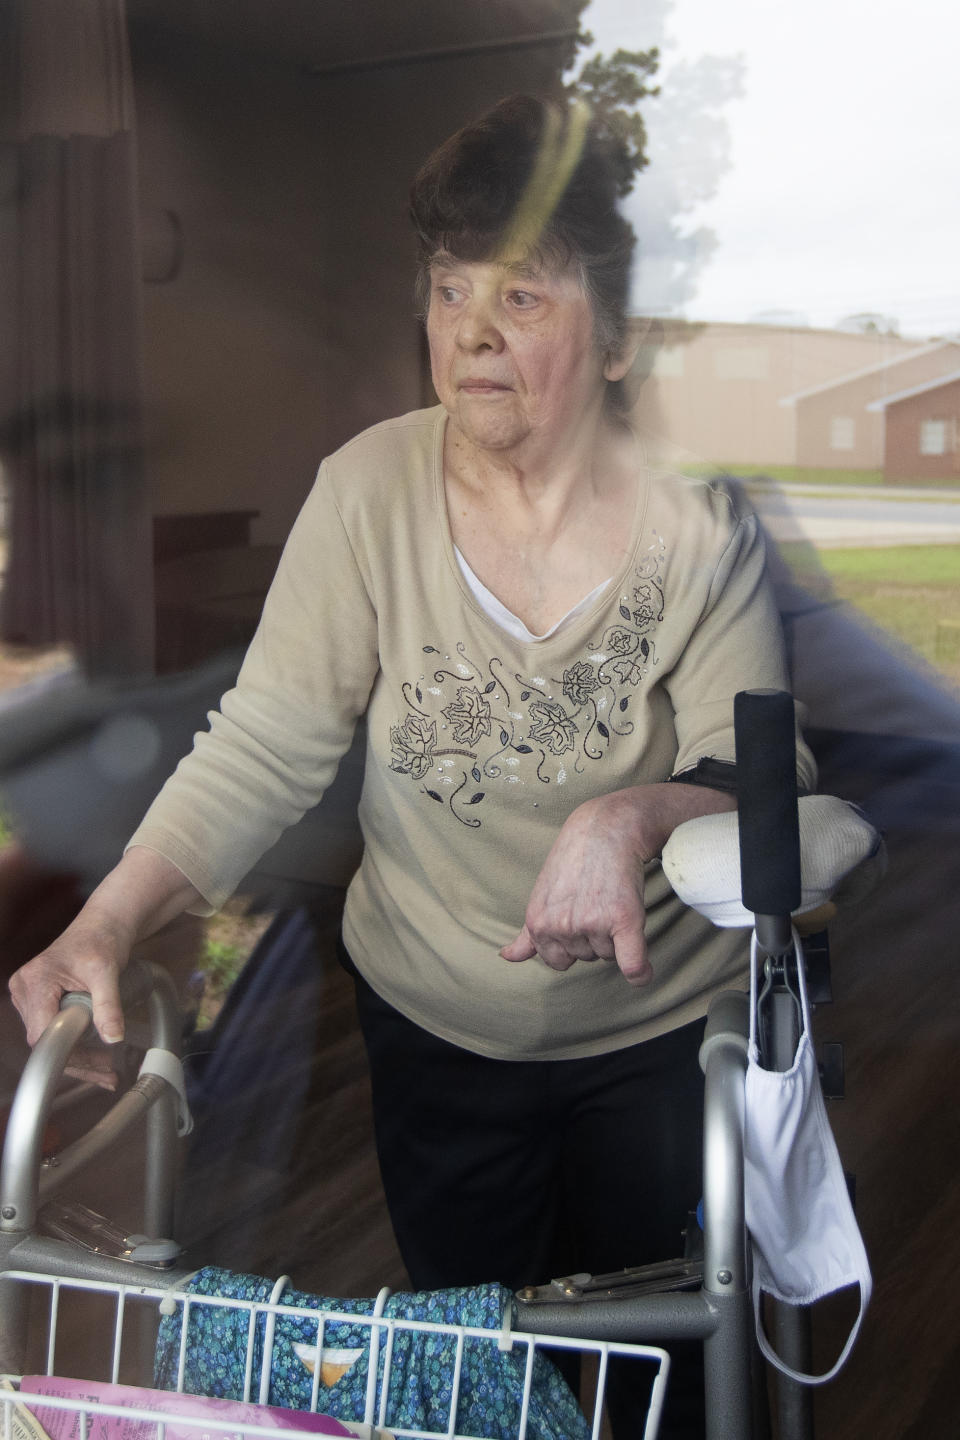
767,789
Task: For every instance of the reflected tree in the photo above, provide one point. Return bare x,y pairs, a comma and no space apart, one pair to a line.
674,152
614,88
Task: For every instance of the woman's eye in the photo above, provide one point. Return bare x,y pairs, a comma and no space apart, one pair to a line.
446,294
522,299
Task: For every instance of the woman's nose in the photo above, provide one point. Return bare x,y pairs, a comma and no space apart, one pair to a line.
478,328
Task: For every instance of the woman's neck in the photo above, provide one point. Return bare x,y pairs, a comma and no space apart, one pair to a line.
542,541
546,482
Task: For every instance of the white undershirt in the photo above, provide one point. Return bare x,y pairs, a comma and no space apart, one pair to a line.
506,619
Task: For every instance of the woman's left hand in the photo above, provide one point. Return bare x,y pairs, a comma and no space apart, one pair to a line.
587,903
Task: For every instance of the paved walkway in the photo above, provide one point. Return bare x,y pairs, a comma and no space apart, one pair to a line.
827,533
852,516
757,484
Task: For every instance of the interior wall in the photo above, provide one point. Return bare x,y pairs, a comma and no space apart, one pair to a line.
290,324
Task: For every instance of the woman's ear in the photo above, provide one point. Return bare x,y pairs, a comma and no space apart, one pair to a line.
617,366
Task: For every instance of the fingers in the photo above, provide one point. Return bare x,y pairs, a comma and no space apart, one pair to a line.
107,1010
631,955
38,988
559,956
522,948
587,902
37,1001
628,948
554,953
602,947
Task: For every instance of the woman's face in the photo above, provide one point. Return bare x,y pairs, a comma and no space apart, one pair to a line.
512,351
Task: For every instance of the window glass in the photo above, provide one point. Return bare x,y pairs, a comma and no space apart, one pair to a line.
933,437
843,429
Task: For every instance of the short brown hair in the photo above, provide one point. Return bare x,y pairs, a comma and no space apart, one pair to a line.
467,196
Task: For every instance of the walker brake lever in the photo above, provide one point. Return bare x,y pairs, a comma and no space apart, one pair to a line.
79,1225
661,1277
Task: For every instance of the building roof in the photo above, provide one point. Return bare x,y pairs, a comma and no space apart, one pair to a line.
908,394
874,369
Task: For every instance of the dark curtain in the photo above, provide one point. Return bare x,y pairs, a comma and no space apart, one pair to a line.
79,564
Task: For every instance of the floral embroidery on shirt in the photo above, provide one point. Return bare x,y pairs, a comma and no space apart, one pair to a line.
469,716
413,744
467,726
579,682
552,726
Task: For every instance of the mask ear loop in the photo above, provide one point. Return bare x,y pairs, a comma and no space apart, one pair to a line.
798,992
758,1002
759,1038
800,997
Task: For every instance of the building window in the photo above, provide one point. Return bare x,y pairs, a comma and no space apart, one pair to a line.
842,432
669,362
933,437
742,362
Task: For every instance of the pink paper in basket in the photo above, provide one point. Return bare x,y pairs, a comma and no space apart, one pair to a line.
221,1419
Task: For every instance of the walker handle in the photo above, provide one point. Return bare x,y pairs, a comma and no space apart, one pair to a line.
21,1185
767,795
135,982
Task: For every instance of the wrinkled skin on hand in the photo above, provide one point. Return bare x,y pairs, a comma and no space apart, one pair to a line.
89,957
141,894
587,902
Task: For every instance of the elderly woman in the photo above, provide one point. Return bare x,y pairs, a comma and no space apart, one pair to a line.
544,635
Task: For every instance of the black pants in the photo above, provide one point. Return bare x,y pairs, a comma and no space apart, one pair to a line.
520,1171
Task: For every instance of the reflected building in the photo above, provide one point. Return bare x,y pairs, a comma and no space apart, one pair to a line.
755,395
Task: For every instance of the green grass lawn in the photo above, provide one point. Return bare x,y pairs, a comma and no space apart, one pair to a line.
911,591
807,475
788,474
229,940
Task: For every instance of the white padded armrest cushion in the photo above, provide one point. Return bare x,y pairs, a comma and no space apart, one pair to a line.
702,858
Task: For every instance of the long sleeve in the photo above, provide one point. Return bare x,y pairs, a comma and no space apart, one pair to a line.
276,742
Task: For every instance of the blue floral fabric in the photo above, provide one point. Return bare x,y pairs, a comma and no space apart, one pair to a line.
421,1381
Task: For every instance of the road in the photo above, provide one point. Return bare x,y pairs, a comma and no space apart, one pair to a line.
832,518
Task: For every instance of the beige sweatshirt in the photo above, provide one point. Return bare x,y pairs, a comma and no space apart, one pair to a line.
479,746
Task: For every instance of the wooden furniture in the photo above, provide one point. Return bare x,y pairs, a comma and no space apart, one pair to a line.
210,583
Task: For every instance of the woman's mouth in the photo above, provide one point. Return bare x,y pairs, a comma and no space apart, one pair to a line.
483,387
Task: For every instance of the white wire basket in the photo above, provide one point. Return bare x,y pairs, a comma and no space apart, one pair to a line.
408,1379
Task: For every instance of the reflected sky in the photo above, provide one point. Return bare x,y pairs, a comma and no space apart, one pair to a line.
839,198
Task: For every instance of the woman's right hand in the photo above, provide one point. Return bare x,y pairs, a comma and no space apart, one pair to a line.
142,894
87,956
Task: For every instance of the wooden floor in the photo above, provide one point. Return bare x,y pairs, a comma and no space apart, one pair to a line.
897,1010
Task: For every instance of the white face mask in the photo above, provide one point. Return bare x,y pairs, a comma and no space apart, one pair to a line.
804,1237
